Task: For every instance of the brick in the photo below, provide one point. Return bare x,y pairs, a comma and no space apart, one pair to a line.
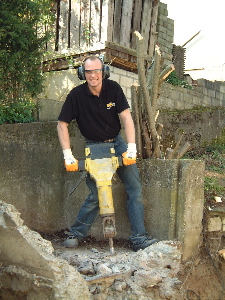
126,81
115,77
219,96
222,89
215,224
206,100
211,93
201,82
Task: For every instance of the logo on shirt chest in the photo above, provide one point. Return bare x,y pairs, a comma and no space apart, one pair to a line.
110,105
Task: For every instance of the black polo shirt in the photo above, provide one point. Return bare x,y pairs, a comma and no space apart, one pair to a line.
97,117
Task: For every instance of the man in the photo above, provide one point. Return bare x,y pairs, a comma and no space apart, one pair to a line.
98,105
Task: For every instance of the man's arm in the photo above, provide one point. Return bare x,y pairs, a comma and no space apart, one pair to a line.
128,124
63,134
71,163
129,157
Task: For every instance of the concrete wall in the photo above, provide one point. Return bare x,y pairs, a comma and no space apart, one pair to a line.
199,126
33,179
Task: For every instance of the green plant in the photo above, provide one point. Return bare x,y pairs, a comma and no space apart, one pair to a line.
213,153
23,36
18,112
212,185
175,80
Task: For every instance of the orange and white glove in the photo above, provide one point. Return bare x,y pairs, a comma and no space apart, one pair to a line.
129,157
71,164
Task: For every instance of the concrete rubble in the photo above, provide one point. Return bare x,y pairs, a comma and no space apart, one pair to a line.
147,274
31,268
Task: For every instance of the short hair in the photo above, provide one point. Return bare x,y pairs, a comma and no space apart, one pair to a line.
92,58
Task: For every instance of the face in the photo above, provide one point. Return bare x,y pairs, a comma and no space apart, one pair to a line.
94,79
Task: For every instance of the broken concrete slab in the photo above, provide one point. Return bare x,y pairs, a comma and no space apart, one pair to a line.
29,267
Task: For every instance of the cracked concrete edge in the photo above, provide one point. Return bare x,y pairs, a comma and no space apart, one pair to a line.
66,282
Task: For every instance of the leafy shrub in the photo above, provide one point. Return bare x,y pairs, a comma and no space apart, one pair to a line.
175,80
18,112
23,36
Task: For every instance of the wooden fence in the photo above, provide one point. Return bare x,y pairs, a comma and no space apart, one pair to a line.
85,25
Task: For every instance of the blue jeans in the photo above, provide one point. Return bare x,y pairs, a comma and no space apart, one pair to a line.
89,211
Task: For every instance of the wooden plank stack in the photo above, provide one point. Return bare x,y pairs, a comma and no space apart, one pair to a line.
86,25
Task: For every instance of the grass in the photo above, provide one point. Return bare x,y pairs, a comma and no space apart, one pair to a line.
214,156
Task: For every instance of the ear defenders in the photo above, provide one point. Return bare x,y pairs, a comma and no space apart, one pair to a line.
105,72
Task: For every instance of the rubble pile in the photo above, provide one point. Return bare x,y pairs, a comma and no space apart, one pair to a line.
147,274
34,268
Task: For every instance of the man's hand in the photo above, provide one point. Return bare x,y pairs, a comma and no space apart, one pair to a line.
129,157
71,164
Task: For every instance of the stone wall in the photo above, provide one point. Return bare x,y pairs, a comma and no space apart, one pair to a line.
58,84
165,32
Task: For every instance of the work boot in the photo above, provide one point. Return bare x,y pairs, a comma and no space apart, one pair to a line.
71,242
147,242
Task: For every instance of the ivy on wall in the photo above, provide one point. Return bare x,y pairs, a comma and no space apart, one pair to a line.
23,34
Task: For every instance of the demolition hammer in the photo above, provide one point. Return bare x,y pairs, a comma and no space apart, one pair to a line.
101,163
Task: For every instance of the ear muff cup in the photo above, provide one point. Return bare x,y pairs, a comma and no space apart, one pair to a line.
80,73
105,72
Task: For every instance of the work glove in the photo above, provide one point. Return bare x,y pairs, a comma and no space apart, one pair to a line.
71,164
129,157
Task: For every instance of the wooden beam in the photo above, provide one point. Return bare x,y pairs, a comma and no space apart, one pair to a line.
129,51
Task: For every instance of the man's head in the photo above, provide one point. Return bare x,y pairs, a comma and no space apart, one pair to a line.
86,70
93,71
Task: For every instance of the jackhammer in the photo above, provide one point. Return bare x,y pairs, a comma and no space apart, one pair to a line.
101,163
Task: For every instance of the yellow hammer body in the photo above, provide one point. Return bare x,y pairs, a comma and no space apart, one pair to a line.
102,171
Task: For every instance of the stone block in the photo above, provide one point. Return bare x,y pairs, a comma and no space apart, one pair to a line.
211,93
219,96
49,109
176,189
115,77
222,88
215,224
223,224
126,81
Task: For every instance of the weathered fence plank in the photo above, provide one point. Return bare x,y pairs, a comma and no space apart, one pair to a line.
63,25
136,21
84,24
104,21
95,22
75,24
110,21
153,33
126,23
146,20
117,18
